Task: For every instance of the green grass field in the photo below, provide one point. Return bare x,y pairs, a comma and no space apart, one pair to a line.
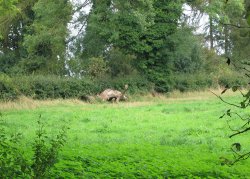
160,138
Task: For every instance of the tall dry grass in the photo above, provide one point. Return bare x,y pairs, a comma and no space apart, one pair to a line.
28,103
134,100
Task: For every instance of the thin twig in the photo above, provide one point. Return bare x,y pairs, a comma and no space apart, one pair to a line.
225,101
241,157
240,132
237,26
86,3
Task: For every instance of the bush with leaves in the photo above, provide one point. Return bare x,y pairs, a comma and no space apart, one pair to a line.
7,88
189,82
13,163
53,87
120,64
46,153
96,67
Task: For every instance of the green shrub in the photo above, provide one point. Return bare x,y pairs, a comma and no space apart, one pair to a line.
136,84
13,163
7,88
52,87
190,82
96,67
201,81
232,80
120,64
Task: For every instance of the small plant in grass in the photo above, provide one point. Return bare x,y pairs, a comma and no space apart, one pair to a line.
13,164
46,153
12,161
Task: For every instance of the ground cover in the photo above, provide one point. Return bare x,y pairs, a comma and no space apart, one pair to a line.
159,138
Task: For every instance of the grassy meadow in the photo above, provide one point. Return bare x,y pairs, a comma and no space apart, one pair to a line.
163,137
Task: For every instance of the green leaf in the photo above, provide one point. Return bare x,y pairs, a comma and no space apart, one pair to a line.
235,88
248,19
243,105
224,90
237,146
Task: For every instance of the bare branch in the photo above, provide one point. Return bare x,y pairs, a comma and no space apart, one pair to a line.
231,127
225,101
237,26
240,157
239,132
86,3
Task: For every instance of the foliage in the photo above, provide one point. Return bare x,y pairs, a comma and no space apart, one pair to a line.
13,161
46,45
96,68
45,156
193,82
233,80
28,32
41,87
52,87
223,15
139,28
7,88
116,24
7,62
6,6
188,56
121,64
9,12
120,38
13,27
156,59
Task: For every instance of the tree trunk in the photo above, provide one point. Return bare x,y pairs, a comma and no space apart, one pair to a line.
227,42
211,38
211,29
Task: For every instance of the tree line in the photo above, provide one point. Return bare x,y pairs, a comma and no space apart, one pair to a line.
117,38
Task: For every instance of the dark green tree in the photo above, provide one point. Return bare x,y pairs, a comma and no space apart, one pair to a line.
14,19
188,56
157,60
240,36
139,28
46,44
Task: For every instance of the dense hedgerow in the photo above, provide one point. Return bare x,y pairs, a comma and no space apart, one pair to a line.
200,81
52,87
192,82
232,80
8,90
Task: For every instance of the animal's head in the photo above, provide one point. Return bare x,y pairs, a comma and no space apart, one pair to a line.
125,90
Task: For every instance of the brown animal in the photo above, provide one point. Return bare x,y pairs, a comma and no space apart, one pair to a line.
87,98
110,95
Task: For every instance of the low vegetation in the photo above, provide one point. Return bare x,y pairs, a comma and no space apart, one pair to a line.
13,161
157,137
54,87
